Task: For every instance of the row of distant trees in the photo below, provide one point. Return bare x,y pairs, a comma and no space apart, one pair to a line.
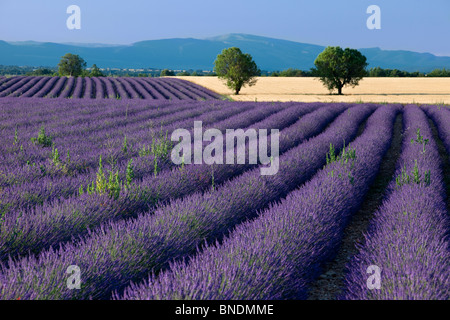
291,72
47,71
372,72
73,65
187,73
379,72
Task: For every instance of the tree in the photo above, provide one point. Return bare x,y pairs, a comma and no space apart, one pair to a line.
71,65
377,72
439,73
291,73
395,73
167,73
237,68
95,71
337,68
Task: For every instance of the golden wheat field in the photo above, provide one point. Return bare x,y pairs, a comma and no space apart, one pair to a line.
393,90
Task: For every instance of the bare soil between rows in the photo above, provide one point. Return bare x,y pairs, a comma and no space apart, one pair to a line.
445,161
330,283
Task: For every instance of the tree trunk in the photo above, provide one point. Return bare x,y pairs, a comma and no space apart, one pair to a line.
340,90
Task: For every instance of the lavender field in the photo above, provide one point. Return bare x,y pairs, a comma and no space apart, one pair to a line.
103,88
89,182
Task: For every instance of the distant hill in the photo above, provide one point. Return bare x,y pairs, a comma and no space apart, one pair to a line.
187,53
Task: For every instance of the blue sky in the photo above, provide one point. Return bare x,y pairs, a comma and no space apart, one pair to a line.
416,25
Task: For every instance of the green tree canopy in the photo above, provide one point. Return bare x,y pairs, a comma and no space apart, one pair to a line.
71,65
95,71
237,68
291,73
337,68
167,73
439,73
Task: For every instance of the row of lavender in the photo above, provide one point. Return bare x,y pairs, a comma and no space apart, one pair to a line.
104,87
125,250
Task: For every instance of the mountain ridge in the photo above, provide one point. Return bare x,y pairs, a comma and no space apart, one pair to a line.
190,53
